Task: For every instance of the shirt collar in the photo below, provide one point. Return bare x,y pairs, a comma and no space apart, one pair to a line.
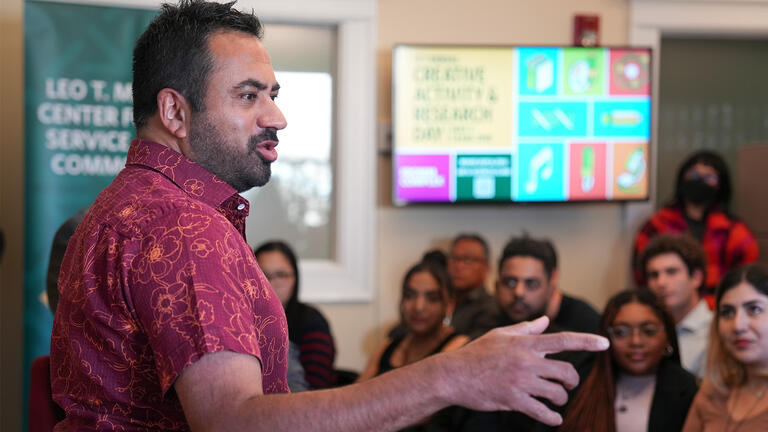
698,318
193,179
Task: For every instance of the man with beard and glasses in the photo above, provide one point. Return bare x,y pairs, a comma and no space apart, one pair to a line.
526,285
166,322
700,208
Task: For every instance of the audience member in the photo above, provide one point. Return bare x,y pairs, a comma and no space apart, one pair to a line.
700,207
297,378
526,280
307,327
58,247
468,266
674,267
638,385
528,287
732,396
425,296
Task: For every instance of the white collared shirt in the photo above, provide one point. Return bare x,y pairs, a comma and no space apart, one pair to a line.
693,337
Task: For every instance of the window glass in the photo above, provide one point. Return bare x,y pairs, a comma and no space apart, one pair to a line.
297,205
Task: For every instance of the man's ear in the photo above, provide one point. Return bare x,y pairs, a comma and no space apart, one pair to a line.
174,112
554,278
497,288
697,278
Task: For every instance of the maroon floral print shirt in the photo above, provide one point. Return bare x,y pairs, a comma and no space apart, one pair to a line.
157,275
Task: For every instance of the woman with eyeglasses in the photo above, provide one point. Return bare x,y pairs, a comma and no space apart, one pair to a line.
733,396
637,385
307,327
700,208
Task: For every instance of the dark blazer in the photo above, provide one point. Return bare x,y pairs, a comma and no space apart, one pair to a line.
675,390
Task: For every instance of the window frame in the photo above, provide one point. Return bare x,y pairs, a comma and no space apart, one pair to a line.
349,276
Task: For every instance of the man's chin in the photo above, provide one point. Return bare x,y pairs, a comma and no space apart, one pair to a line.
258,179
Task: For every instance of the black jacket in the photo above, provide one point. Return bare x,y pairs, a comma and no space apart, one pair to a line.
675,390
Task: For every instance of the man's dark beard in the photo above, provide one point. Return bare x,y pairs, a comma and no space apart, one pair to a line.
240,170
532,314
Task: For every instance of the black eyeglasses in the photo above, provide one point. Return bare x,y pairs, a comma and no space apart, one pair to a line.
511,282
466,259
623,332
278,275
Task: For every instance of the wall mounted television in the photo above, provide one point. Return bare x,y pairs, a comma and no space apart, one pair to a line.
520,124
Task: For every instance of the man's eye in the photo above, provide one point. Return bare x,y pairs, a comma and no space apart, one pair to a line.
249,96
754,309
509,282
273,97
532,284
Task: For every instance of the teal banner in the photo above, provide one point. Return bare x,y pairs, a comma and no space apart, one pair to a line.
79,124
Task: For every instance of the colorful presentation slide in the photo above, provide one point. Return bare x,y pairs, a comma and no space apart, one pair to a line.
496,124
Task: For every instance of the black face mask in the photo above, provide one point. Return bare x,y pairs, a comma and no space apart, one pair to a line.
697,192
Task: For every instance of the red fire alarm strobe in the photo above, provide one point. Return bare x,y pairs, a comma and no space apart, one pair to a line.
586,30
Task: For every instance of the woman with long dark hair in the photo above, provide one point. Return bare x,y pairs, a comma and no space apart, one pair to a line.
733,396
425,298
638,384
307,328
700,207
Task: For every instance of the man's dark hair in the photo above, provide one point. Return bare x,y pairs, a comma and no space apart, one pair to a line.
542,250
173,52
683,245
476,238
710,159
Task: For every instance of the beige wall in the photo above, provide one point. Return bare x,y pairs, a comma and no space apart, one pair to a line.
592,241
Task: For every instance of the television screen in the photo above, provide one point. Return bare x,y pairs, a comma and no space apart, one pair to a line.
500,124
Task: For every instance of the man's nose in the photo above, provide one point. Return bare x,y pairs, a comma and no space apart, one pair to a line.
272,117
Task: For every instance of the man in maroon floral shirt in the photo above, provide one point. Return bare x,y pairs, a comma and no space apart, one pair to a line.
165,321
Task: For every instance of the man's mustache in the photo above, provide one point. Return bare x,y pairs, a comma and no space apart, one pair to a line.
269,134
519,302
